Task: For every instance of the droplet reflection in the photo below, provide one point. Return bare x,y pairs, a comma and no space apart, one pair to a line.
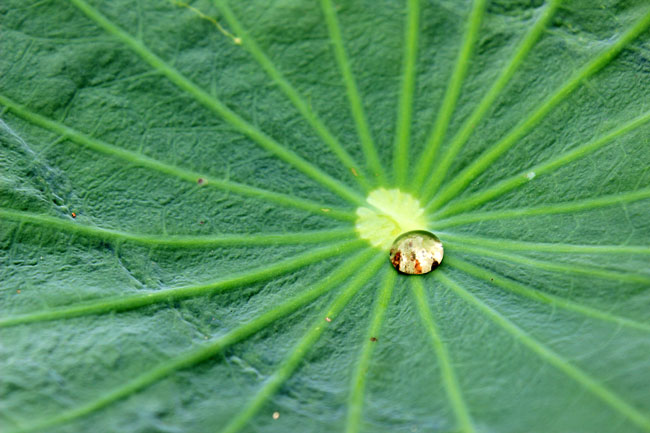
416,252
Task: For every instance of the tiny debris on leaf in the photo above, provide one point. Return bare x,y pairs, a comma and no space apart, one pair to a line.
276,415
354,172
373,339
73,214
200,181
328,319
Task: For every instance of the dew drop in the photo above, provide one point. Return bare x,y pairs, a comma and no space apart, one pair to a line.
416,252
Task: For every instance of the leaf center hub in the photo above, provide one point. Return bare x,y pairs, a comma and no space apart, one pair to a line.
390,212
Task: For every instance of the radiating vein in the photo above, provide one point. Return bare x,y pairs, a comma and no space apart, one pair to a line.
537,295
358,383
405,106
547,209
356,106
289,365
203,352
572,268
446,366
540,169
169,169
129,302
509,244
219,107
481,163
177,241
298,101
448,105
590,384
437,175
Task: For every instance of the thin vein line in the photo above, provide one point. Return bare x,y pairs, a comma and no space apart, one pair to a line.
356,106
204,352
575,206
534,172
169,169
289,365
590,384
459,407
298,101
177,241
219,108
441,167
537,295
573,268
448,105
358,383
405,106
499,148
129,302
508,244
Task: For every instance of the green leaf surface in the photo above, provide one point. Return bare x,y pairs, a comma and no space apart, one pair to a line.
178,188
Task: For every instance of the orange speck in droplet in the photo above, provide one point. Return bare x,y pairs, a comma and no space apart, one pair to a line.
328,319
74,215
18,291
276,415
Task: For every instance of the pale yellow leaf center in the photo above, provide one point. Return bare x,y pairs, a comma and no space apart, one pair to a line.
390,213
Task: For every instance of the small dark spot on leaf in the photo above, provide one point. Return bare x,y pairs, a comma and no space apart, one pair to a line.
200,181
373,339
74,215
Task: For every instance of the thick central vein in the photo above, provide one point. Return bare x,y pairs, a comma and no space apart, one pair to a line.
405,106
169,169
176,241
130,302
356,106
451,95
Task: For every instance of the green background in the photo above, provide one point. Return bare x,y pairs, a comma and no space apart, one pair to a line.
165,307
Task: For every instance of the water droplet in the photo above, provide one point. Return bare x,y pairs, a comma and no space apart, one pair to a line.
416,252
